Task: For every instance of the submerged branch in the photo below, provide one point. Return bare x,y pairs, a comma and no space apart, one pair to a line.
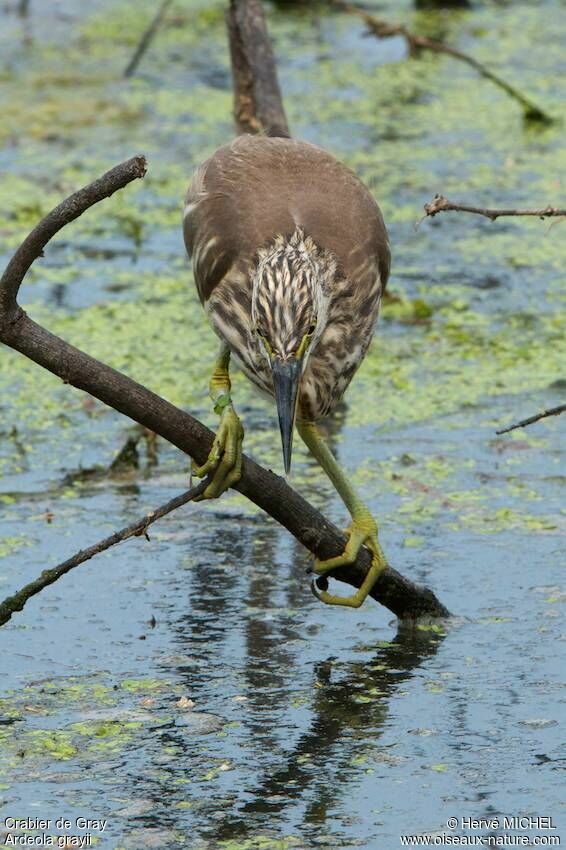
267,490
552,411
441,204
258,105
147,38
17,601
416,43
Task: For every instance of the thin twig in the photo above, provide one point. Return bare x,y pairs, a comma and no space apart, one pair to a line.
147,38
552,411
139,528
441,204
416,43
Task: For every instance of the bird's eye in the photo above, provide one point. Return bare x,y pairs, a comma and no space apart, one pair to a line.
311,330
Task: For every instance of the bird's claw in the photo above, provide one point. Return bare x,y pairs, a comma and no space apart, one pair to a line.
362,530
224,462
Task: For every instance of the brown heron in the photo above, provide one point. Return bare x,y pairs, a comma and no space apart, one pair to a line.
290,258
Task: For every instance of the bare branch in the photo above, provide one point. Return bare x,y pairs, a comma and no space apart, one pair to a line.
552,411
139,528
416,43
258,105
441,204
147,38
267,490
67,211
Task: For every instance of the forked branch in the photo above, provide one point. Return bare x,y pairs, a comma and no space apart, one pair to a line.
441,204
267,490
416,43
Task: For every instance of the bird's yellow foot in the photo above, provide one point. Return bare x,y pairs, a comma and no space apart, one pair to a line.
362,530
225,458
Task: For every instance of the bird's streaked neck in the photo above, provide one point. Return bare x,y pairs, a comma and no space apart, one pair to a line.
289,313
289,292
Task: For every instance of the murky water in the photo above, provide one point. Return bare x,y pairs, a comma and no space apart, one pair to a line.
189,690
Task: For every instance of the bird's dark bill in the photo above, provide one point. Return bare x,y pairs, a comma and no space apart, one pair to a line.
286,379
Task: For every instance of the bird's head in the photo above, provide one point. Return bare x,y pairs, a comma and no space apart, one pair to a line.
289,314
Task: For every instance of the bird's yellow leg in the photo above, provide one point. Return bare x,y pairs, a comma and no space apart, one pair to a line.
363,529
225,457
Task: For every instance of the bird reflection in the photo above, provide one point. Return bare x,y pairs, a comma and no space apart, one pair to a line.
342,726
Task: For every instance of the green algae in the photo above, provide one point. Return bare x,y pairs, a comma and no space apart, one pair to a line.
109,729
137,686
44,743
9,545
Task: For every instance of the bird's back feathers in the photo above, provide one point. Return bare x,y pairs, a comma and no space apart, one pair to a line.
257,188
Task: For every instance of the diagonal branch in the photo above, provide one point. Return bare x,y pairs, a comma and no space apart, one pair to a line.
139,528
416,43
267,490
147,37
441,204
552,411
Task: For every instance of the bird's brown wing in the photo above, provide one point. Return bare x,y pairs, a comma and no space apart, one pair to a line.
256,188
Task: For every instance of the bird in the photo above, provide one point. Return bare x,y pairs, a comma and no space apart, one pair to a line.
290,257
